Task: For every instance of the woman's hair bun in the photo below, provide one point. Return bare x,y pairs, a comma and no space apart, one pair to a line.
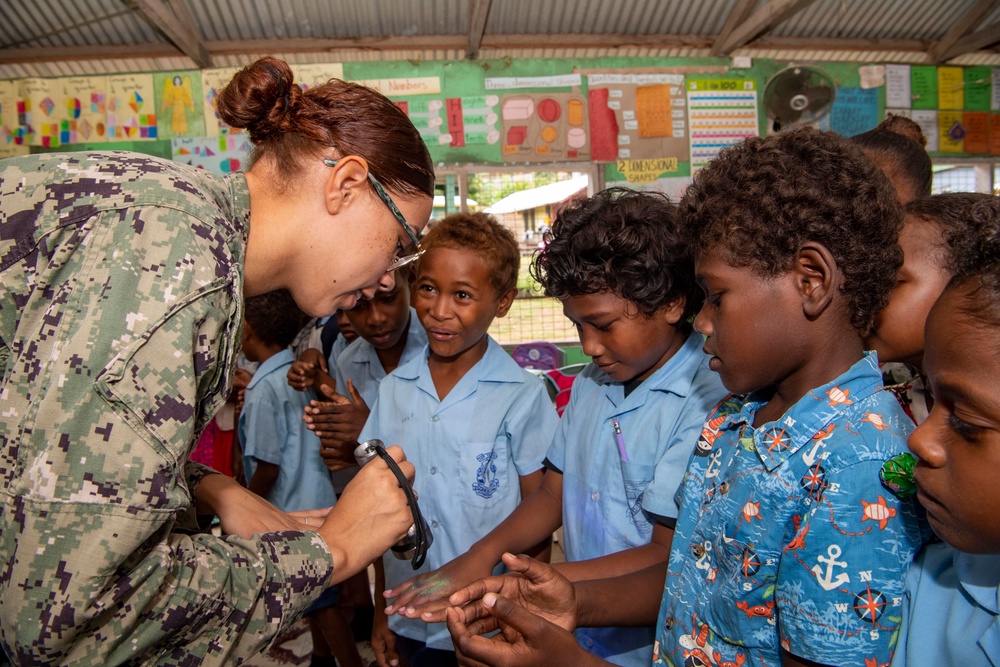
262,97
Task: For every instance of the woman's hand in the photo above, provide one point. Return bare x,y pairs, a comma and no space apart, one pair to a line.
244,513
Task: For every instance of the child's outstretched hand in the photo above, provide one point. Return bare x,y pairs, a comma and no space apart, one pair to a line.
426,595
304,370
337,421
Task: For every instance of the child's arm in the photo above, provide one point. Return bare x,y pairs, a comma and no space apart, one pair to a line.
534,520
303,372
529,484
383,641
622,562
264,478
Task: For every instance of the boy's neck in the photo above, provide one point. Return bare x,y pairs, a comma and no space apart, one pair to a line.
830,362
265,352
446,372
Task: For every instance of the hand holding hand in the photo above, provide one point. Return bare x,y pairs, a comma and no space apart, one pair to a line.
426,596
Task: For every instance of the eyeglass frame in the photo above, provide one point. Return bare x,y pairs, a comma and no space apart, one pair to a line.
399,262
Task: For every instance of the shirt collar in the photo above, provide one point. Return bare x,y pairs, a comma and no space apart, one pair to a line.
674,377
270,365
491,368
777,441
979,575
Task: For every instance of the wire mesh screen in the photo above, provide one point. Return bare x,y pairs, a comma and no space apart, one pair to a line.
525,202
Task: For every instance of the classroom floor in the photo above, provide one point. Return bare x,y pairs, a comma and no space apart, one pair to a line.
296,647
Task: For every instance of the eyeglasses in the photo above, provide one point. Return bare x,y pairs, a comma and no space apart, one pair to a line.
404,255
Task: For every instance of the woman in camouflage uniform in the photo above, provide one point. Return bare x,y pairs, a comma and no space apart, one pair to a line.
122,278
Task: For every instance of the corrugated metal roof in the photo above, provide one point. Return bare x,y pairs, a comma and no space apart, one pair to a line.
234,31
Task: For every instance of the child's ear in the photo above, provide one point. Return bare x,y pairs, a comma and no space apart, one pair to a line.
505,301
818,278
673,312
346,182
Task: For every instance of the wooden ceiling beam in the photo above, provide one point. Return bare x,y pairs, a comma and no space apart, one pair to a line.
961,28
741,12
977,40
174,20
479,12
759,22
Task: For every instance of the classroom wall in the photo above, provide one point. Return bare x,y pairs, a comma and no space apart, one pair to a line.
646,119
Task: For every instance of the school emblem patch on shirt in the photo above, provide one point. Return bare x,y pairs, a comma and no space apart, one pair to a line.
486,483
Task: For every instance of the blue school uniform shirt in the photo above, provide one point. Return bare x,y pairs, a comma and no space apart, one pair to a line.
272,430
608,504
786,539
469,451
950,610
360,362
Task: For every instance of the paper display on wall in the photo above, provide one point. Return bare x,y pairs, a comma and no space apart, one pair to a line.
85,105
544,127
221,155
721,112
131,107
212,83
180,104
637,116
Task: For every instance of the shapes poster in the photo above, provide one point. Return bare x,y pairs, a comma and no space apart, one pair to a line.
84,106
212,82
179,104
638,116
224,154
544,127
9,121
721,112
131,107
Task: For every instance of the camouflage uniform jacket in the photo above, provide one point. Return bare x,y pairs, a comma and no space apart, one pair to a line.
120,314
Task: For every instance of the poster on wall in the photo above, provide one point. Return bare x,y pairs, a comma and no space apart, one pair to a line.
85,110
854,110
179,103
131,107
544,127
8,121
224,154
37,124
721,112
308,75
638,116
212,82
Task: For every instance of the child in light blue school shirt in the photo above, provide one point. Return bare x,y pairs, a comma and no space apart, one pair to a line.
610,503
472,422
951,599
281,456
470,450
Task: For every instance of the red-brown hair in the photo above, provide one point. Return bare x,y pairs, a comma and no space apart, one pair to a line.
290,125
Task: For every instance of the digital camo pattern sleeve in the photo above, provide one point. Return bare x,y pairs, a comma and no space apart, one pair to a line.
120,306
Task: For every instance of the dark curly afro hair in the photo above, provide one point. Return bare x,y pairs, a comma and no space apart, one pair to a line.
275,317
760,200
620,241
961,217
978,267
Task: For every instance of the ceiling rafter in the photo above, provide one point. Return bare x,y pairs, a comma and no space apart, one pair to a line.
741,12
759,22
173,18
961,28
977,40
479,12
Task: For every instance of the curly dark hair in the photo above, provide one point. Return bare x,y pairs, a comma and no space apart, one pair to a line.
962,218
482,234
275,317
978,264
760,200
622,241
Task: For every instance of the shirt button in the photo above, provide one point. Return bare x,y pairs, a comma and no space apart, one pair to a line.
588,642
595,496
434,418
724,487
434,471
434,524
698,550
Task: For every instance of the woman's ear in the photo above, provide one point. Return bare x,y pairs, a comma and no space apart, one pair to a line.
347,180
818,278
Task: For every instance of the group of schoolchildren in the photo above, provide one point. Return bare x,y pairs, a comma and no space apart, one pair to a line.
731,456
